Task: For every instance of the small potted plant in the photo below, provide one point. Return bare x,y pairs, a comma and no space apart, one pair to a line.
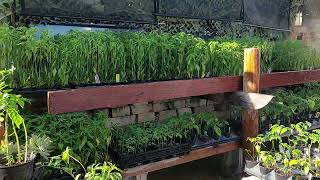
252,155
268,162
284,172
16,159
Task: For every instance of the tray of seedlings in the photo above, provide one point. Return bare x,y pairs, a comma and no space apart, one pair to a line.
301,104
139,144
295,156
148,142
212,131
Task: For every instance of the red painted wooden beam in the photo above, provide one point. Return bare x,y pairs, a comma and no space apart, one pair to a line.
289,78
84,99
91,98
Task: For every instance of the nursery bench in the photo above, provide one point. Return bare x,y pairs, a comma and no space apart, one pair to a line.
141,172
84,99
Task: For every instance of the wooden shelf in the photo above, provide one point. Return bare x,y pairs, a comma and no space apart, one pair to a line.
84,99
192,156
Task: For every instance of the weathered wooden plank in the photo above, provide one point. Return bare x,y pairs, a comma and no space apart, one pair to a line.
115,96
289,78
192,156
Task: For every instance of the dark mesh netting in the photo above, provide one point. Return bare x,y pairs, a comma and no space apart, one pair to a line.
312,8
208,9
267,13
128,10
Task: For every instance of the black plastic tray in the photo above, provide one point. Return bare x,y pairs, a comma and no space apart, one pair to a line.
198,144
131,160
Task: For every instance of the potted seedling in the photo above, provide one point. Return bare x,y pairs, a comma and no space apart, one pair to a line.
268,162
16,159
284,172
252,155
316,173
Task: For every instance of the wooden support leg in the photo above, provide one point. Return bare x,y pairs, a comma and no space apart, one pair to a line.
142,177
138,177
251,84
232,163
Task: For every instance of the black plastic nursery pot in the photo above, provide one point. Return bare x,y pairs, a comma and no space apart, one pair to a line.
17,172
131,160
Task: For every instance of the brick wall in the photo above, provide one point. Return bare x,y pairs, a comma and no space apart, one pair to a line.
161,110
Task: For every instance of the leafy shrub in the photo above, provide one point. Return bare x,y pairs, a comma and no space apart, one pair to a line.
87,136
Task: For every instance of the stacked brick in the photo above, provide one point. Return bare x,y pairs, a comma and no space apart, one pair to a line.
162,110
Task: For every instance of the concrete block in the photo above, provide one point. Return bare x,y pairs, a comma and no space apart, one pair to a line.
163,115
121,121
196,102
183,111
120,112
179,103
161,106
151,116
210,103
217,98
141,108
203,109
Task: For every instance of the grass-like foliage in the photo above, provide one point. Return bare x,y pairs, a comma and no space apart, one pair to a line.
43,60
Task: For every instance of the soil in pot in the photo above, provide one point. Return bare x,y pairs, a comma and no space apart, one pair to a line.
22,171
264,170
250,164
281,176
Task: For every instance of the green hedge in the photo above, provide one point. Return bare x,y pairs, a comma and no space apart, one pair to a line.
78,56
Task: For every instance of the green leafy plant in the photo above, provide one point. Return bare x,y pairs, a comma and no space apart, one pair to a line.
289,152
10,105
66,162
86,135
268,160
257,143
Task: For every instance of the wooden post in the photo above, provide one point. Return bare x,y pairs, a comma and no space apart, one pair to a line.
251,84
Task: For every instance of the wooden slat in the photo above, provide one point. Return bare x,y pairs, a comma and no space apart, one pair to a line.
115,96
192,156
289,78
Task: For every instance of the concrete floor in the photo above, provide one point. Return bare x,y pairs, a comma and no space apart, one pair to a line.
214,168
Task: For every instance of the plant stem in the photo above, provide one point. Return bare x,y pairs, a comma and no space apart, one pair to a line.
6,134
79,163
26,139
17,139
